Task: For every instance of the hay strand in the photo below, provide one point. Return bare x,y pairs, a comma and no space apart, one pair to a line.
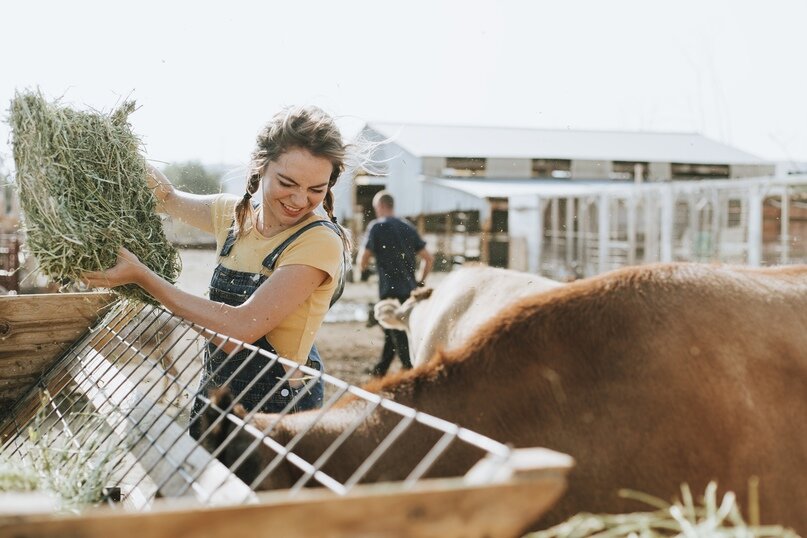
715,518
83,191
75,468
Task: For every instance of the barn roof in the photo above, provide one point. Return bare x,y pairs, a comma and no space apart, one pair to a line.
555,188
517,143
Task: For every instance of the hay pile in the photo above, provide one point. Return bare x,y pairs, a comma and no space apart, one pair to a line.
83,191
712,518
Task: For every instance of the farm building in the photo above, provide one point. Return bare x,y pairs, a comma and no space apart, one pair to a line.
575,203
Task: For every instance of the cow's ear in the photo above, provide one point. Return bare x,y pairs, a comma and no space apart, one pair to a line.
403,311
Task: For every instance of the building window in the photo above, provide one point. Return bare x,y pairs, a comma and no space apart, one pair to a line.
735,214
627,170
464,167
699,171
552,168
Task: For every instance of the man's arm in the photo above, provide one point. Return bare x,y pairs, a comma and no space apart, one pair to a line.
364,259
364,263
427,260
366,252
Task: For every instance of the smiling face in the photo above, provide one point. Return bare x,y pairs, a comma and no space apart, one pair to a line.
293,186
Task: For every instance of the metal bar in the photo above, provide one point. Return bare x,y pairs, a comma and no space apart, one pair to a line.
45,381
183,388
428,460
335,444
164,448
143,421
111,366
379,451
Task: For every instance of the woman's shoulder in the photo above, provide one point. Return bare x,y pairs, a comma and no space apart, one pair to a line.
318,236
321,230
223,209
225,200
319,246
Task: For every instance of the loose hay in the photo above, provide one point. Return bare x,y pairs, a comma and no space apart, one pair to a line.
83,191
74,465
685,518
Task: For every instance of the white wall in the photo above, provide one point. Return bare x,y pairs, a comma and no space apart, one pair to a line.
509,168
525,228
751,170
590,169
659,172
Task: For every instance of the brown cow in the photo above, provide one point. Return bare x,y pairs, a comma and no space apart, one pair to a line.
649,377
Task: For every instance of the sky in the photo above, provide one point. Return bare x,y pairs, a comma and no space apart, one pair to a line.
207,75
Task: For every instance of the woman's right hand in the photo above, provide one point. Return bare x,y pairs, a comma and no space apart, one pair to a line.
128,269
159,184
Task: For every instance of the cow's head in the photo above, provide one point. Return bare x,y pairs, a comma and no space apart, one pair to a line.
391,314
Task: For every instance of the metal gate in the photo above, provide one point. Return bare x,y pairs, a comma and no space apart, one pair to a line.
125,390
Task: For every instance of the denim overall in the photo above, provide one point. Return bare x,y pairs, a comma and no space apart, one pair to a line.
234,288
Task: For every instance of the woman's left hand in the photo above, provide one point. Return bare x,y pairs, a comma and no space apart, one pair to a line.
126,270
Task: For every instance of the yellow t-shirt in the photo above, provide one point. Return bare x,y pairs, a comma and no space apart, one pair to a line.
318,247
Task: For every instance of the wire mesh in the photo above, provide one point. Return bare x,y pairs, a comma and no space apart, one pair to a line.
139,370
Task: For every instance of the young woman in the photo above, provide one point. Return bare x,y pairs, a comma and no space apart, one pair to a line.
280,265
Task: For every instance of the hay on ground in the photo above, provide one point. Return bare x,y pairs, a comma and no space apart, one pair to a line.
83,192
711,518
75,465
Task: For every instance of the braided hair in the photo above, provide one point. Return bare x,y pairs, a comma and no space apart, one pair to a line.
305,127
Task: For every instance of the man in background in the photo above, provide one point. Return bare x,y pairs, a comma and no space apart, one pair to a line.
396,245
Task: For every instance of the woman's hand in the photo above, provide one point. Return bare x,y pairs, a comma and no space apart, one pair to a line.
127,270
159,184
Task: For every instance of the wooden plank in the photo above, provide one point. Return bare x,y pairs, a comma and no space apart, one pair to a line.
25,407
163,448
434,508
36,329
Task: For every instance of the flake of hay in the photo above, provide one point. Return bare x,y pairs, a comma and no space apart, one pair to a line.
83,191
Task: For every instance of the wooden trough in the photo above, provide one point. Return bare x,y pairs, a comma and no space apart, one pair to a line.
171,486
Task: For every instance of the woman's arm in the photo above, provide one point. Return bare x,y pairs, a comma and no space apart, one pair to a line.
195,209
281,294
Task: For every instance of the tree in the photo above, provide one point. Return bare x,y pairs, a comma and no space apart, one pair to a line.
193,177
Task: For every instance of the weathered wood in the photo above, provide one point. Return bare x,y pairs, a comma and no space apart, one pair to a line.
35,330
434,508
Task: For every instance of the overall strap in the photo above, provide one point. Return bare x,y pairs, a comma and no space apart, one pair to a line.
229,242
271,260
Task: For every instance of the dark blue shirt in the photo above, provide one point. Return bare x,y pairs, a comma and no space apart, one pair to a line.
394,243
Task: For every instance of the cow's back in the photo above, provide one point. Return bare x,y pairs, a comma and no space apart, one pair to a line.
466,299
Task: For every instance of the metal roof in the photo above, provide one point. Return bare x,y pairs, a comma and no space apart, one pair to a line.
520,143
505,188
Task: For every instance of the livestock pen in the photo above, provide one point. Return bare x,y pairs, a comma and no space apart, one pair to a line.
123,383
